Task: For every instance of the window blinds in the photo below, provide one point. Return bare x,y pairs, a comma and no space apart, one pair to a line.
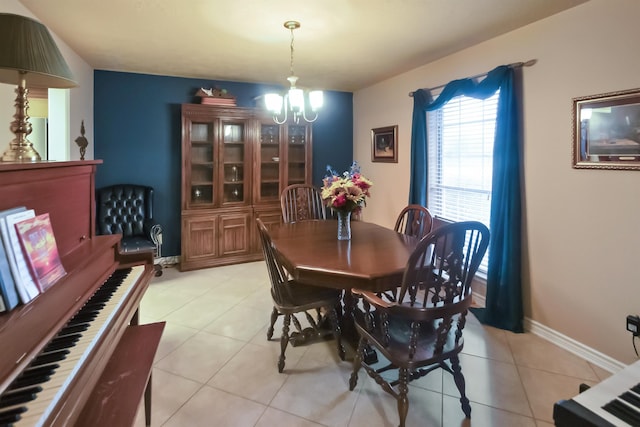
460,159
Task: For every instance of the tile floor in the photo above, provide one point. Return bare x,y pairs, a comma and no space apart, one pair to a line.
215,367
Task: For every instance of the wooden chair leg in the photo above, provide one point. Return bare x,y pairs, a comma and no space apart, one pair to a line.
274,317
357,364
335,326
403,400
284,340
459,380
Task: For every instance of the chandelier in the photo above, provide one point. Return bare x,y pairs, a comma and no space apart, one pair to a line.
295,100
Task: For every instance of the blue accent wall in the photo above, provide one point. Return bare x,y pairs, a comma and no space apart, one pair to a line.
137,133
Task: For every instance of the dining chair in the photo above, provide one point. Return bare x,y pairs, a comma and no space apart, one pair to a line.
414,220
301,202
420,329
290,298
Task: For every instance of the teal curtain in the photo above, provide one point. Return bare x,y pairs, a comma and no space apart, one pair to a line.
503,307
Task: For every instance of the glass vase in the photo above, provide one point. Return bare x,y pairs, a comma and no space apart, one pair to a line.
344,225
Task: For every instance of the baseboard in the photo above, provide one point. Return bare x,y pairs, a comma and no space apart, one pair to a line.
589,354
168,261
478,299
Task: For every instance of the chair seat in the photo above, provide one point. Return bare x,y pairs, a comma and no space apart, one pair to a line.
399,332
304,297
136,244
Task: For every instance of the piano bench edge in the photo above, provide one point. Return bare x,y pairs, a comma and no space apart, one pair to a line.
116,397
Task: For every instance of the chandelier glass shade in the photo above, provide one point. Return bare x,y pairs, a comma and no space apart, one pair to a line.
295,102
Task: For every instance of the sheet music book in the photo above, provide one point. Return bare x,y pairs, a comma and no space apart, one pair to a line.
2,306
26,286
7,284
40,249
11,258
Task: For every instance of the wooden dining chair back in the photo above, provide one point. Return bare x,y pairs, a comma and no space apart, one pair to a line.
419,327
300,202
290,297
414,220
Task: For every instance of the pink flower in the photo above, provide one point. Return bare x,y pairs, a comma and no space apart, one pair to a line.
340,201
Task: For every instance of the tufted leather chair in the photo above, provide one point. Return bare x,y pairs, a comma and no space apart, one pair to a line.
128,210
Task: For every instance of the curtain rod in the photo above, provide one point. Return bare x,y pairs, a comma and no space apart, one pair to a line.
529,63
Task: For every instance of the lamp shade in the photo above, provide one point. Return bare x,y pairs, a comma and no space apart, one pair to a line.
27,46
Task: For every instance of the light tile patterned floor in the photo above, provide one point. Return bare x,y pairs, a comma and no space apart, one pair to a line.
215,367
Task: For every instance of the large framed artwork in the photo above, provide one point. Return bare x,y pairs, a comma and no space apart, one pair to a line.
606,131
384,144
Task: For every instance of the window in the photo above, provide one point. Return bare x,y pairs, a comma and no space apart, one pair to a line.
460,160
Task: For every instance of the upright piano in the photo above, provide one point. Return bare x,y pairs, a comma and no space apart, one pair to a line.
76,354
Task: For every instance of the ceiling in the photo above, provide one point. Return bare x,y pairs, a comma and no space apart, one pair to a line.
341,45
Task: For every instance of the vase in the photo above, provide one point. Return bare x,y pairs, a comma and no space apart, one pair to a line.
344,225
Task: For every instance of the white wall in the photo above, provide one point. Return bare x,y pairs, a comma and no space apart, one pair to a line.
582,227
65,125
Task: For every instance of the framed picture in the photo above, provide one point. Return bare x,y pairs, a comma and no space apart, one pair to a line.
384,144
606,131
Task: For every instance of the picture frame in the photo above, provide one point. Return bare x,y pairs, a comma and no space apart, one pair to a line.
606,131
384,144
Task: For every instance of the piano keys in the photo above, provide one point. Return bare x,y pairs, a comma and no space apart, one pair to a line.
80,335
612,402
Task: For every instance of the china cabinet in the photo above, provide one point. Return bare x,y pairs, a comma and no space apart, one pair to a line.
235,163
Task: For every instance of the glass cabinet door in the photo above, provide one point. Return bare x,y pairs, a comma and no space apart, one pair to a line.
297,154
269,161
201,182
233,155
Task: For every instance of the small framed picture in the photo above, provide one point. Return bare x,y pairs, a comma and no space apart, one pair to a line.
384,144
606,131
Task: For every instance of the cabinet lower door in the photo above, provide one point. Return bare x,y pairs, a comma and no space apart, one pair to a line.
202,238
234,234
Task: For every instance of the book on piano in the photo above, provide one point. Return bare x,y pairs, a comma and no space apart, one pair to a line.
40,249
7,284
25,286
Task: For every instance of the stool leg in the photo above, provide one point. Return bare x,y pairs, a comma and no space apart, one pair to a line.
147,403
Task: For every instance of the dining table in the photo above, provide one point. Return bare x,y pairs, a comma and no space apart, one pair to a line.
374,259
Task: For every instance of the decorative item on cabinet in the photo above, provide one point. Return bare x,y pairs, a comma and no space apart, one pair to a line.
215,96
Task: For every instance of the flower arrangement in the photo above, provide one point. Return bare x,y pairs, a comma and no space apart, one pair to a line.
346,192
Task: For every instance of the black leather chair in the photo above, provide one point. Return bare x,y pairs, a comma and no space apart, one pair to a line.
127,209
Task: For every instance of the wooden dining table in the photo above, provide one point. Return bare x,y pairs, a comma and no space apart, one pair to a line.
373,259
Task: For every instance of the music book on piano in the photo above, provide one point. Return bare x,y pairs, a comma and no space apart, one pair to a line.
7,284
25,285
39,244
